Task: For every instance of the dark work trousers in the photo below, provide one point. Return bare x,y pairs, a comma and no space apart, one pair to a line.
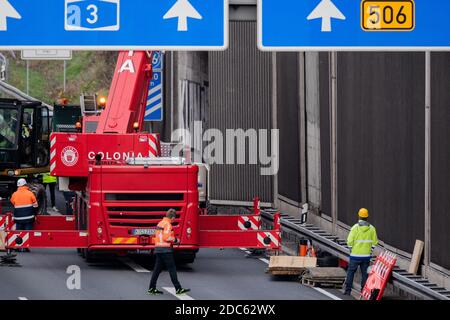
52,187
352,267
167,260
24,224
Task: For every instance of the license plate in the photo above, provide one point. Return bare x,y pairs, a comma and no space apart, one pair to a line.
143,232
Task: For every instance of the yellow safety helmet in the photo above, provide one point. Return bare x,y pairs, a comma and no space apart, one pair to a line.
363,213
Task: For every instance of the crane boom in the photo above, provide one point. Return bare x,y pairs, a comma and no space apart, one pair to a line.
128,93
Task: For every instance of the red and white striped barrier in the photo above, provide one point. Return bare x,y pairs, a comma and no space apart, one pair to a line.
4,219
269,238
7,222
249,222
154,144
52,155
379,276
18,240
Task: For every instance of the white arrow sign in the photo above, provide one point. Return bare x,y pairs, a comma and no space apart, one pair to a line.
325,11
182,10
7,11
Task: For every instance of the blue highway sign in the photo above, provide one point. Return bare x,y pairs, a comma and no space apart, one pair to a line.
114,24
155,102
410,25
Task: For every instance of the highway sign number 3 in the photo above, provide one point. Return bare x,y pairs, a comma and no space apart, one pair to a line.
92,15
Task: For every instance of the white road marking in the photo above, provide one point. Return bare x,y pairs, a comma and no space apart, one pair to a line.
133,265
330,295
264,260
180,296
22,298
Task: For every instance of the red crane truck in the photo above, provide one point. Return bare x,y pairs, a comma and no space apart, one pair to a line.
124,188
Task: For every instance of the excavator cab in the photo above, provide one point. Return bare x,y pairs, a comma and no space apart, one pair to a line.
24,141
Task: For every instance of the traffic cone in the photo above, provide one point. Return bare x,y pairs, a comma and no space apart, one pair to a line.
303,248
313,252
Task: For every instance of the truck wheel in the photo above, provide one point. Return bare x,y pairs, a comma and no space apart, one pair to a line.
185,258
88,255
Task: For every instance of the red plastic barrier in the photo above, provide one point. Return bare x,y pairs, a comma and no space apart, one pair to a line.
378,277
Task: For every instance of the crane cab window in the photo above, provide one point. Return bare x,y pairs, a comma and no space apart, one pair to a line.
8,128
27,133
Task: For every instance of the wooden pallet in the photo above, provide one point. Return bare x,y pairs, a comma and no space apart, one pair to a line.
322,283
325,277
285,272
290,265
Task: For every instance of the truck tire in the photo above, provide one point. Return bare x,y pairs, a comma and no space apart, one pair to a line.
88,255
185,257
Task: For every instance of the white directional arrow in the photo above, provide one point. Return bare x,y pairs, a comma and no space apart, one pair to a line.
7,11
182,10
325,11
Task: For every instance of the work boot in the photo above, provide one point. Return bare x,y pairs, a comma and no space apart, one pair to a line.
182,290
154,291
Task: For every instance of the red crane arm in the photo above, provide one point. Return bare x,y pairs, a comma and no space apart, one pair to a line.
128,94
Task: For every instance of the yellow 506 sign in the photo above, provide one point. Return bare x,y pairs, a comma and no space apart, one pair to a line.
385,15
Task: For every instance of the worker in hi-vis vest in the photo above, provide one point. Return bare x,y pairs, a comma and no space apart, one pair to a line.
164,240
25,205
361,240
50,181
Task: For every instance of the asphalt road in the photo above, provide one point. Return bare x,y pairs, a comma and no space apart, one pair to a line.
215,274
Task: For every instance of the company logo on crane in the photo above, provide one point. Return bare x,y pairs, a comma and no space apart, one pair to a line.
69,156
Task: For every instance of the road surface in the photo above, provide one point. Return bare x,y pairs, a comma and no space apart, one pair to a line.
215,274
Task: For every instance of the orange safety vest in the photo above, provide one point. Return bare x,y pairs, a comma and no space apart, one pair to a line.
164,235
24,202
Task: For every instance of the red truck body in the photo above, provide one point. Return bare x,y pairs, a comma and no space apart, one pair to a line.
119,203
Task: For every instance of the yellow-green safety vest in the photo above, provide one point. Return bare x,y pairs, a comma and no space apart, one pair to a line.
362,239
47,178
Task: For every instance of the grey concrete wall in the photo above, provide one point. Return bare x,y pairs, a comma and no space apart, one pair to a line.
240,97
313,128
191,66
288,122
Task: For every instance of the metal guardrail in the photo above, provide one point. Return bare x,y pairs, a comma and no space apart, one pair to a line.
402,279
16,93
